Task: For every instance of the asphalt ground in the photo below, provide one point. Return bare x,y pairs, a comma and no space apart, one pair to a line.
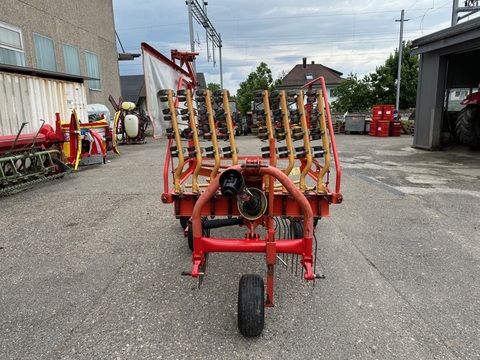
90,266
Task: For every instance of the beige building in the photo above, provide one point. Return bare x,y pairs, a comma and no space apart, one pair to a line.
62,40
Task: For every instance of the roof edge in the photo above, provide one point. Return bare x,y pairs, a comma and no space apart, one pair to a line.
447,33
44,73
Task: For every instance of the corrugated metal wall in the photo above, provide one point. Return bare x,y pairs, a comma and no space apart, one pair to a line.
28,99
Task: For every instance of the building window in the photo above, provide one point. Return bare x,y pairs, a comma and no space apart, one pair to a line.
45,53
93,70
11,46
309,76
72,62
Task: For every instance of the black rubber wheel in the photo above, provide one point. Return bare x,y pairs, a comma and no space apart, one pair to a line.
251,307
190,237
245,130
184,221
296,229
205,232
467,126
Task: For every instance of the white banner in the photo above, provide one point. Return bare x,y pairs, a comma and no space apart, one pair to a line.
160,74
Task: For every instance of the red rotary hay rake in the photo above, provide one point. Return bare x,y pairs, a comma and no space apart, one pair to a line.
288,183
251,191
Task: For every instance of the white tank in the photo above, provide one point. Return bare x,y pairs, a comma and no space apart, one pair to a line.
131,125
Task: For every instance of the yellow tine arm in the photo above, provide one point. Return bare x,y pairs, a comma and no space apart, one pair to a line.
213,131
231,132
178,143
288,135
325,142
271,132
306,140
196,143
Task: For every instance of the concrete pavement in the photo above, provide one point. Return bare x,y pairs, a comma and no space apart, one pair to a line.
90,266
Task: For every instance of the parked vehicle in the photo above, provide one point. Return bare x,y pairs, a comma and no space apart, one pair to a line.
239,123
467,125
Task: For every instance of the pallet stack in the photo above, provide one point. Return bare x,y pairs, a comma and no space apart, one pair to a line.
335,125
411,127
383,121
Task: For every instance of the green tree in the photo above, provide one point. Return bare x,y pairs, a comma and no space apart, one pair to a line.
380,87
280,77
260,79
213,87
353,95
384,79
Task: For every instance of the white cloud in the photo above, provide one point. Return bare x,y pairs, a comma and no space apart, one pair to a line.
348,36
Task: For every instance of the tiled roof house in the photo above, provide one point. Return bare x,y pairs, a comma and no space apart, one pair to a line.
303,73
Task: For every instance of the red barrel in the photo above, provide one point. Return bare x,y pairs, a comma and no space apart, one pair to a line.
395,128
377,112
383,128
388,112
373,128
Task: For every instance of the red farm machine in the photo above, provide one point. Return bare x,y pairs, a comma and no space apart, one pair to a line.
30,158
27,159
211,185
130,123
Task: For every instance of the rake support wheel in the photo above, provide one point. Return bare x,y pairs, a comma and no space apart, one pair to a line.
184,221
251,310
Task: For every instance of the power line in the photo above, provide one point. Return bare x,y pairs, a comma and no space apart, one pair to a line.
336,14
268,44
275,18
412,6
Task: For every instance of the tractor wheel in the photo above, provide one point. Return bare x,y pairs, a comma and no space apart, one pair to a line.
467,126
251,310
245,130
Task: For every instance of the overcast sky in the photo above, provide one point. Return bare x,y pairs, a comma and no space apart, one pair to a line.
348,36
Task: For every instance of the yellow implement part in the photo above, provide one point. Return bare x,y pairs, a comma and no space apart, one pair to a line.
114,140
79,139
196,142
231,131
178,143
306,140
211,122
288,135
325,143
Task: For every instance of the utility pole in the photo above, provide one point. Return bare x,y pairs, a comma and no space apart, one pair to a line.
399,72
205,3
192,40
199,13
470,7
221,65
